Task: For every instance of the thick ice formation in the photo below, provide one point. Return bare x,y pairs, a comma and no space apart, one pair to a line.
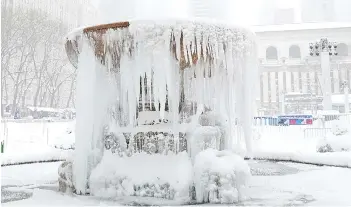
163,176
220,177
162,66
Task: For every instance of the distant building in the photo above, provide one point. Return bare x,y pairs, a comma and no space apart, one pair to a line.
287,66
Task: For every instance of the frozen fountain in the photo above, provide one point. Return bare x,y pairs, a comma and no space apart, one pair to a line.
150,89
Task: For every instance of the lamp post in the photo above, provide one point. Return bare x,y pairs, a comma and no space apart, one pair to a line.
325,49
346,96
283,105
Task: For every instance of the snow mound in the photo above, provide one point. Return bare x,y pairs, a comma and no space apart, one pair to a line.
220,177
142,174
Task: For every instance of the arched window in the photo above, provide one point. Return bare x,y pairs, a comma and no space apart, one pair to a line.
271,53
294,52
342,49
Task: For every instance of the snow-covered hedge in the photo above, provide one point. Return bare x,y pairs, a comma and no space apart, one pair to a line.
220,177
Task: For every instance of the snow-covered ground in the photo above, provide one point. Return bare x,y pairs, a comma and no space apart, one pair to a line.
35,141
290,143
272,184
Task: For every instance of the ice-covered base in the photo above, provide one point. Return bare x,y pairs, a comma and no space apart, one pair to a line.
220,177
142,175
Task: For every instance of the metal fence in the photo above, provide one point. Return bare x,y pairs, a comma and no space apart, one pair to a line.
316,132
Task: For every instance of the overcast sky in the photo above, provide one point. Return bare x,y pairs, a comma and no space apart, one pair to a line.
241,11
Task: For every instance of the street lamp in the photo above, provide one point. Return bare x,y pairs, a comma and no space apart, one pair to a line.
323,45
325,49
345,86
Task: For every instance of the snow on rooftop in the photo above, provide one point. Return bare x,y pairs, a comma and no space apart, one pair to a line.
301,26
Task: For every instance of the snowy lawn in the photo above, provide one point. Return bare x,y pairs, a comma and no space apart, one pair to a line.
301,185
35,141
289,143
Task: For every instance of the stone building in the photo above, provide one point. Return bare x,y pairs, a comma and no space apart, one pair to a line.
287,67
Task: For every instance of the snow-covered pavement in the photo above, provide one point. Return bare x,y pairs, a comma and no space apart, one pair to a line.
272,184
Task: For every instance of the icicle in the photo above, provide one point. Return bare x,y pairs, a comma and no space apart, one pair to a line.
86,80
143,94
204,46
177,33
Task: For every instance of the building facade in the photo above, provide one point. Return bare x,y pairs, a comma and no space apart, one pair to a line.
287,67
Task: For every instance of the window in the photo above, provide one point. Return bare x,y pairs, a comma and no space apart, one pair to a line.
271,53
294,52
342,49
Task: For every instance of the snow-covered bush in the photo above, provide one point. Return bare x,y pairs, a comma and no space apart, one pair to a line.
340,127
220,177
142,174
338,140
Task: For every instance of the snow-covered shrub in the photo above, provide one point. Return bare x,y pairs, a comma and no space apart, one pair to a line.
340,128
338,140
324,147
142,174
65,177
220,177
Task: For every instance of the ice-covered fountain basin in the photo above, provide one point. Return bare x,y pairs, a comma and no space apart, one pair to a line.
187,35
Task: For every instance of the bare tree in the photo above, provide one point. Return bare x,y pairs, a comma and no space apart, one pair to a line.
33,60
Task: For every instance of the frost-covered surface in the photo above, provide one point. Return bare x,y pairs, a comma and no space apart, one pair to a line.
220,177
142,175
213,66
